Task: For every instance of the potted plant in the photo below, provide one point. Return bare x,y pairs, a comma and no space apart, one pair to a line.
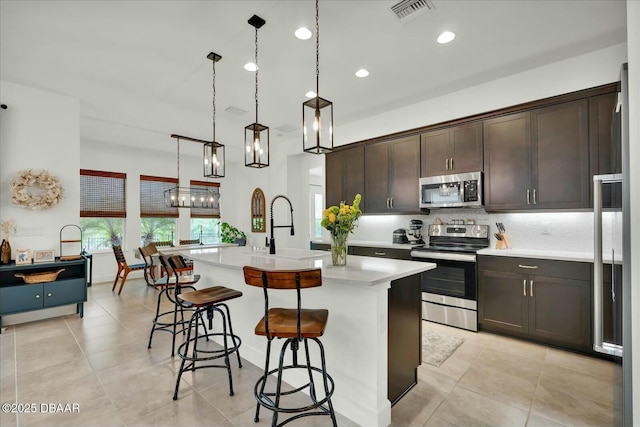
230,234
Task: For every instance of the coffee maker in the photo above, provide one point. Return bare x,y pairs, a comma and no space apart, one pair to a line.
415,231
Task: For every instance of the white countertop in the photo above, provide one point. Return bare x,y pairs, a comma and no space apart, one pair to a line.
360,270
375,244
545,254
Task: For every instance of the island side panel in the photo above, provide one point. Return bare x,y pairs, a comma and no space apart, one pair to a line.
405,335
355,340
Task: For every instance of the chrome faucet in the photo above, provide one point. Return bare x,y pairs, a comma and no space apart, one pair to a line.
272,242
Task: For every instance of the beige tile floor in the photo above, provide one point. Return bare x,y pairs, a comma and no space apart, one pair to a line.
102,364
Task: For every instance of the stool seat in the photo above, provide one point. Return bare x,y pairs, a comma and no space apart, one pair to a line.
283,323
208,296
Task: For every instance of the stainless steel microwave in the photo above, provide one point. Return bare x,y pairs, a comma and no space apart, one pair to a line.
449,191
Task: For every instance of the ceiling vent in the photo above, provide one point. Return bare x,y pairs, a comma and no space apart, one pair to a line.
406,10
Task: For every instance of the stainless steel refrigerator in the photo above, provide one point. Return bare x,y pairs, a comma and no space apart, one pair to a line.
612,246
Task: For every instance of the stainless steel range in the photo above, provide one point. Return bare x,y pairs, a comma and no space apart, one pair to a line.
449,292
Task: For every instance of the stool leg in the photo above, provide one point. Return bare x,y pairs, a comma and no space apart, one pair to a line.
226,350
312,385
232,334
274,418
196,315
264,379
153,326
326,382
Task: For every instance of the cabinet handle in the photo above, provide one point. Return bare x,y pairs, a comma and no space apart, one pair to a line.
531,288
380,253
37,296
451,163
391,199
388,203
613,275
524,287
528,198
49,294
446,164
527,266
534,197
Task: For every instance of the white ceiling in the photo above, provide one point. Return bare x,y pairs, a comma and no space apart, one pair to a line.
140,70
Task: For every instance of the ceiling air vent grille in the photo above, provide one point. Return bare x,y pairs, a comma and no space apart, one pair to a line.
407,10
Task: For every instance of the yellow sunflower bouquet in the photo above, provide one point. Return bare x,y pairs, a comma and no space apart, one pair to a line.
340,221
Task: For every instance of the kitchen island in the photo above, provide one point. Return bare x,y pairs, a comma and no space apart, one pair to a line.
371,313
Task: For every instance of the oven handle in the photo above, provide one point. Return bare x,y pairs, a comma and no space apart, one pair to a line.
447,256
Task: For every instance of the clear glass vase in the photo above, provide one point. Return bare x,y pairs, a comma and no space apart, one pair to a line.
339,249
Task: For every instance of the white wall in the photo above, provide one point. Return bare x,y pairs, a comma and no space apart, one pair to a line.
39,130
633,40
581,72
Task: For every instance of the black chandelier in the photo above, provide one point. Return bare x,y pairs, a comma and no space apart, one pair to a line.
256,136
317,113
200,197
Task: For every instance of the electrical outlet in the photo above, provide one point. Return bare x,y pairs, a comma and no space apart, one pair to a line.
29,231
546,228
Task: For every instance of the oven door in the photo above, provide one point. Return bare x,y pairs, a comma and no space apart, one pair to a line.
454,277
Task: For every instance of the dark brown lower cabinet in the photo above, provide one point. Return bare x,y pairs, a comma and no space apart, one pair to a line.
543,300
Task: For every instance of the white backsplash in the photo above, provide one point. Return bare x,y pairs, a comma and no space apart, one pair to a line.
561,231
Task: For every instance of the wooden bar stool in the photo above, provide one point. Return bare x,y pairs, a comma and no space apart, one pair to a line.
295,325
172,285
207,301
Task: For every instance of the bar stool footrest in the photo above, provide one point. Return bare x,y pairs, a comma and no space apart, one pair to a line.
265,401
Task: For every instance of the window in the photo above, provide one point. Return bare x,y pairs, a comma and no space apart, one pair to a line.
158,221
209,227
205,221
102,209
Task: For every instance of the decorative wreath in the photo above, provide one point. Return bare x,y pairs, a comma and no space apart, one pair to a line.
20,194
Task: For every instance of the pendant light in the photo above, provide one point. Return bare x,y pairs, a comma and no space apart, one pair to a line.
213,152
256,136
199,197
317,113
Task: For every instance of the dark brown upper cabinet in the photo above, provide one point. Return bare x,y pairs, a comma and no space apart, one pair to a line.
344,175
507,162
392,173
452,150
538,159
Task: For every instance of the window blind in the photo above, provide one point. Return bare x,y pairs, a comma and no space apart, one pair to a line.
102,194
152,204
213,187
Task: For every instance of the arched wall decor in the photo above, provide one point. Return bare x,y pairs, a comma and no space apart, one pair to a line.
258,212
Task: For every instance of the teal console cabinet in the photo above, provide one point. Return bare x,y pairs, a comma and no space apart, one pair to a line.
70,287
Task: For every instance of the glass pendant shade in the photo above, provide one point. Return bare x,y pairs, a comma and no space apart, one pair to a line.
213,155
317,125
186,197
256,144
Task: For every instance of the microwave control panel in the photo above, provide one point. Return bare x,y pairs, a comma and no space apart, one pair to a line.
471,191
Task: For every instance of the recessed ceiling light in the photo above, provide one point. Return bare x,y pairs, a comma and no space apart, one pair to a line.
311,94
303,33
362,73
446,37
250,66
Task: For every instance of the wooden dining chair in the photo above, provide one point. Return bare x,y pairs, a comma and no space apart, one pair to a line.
147,253
123,268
